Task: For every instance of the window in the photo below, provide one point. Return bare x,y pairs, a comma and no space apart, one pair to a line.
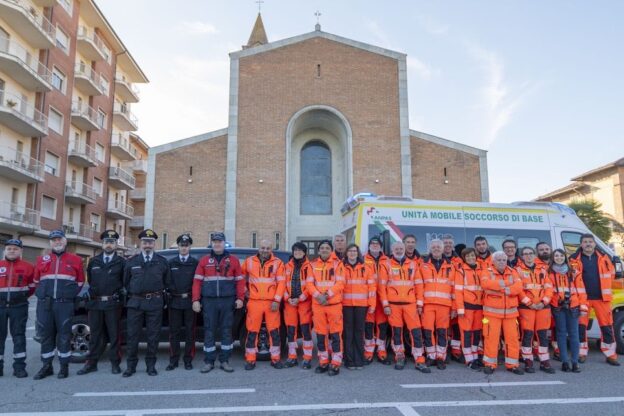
97,186
95,222
316,179
67,5
58,80
101,118
62,40
105,84
571,241
48,207
254,240
277,241
51,164
99,152
164,241
55,120
14,196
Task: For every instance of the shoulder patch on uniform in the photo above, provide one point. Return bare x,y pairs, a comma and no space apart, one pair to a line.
46,257
211,260
2,269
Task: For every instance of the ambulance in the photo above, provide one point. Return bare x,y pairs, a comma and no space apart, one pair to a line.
367,215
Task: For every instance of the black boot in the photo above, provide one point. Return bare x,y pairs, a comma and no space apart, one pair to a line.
129,372
115,369
46,370
172,366
89,367
151,370
20,373
64,371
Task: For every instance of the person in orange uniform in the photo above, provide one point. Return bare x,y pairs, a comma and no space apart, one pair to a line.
501,287
358,299
16,286
568,302
598,273
535,313
264,274
454,331
469,306
401,296
298,306
438,276
411,252
484,256
376,326
325,285
544,253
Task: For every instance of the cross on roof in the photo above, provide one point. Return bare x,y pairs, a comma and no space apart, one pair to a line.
259,5
318,16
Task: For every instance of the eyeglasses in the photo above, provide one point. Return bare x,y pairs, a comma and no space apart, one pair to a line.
528,254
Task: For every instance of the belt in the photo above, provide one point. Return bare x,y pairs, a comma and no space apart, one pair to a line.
181,295
147,295
103,298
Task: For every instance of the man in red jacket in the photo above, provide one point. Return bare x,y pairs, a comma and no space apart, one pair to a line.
59,276
16,285
218,288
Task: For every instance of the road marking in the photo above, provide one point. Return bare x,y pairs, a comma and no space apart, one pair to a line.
161,392
400,406
497,384
407,411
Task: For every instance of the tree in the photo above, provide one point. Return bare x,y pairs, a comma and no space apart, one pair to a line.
594,218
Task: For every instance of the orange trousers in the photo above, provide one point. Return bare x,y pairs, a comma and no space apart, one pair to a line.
470,328
256,311
436,319
492,327
406,315
375,333
604,315
535,324
328,327
299,316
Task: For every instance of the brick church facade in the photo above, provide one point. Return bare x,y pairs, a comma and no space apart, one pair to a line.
313,119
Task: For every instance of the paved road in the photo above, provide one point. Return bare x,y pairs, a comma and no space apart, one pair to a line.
376,390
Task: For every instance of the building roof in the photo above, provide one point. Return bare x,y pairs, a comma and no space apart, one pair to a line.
448,143
561,191
258,34
616,164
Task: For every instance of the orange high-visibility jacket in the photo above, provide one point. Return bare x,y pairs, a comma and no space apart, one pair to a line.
378,266
468,291
486,262
438,284
304,272
537,286
606,270
500,292
360,285
327,277
455,259
403,284
264,280
571,282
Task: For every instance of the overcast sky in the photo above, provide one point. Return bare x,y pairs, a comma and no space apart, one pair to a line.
539,85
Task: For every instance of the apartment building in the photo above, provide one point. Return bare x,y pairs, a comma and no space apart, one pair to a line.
67,147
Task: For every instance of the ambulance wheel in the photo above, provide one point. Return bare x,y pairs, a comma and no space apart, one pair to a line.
618,329
81,334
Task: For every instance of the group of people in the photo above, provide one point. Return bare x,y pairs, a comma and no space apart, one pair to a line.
465,303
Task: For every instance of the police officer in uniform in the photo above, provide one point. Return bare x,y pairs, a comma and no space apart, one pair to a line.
146,276
59,277
16,285
104,301
180,304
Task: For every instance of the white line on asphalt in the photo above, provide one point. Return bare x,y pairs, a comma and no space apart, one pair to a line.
161,392
497,384
407,411
332,406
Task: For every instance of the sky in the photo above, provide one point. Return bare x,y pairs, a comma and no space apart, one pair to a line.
539,85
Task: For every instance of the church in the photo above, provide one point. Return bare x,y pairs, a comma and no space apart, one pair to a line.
313,119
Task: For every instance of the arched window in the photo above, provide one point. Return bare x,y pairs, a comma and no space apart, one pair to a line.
316,179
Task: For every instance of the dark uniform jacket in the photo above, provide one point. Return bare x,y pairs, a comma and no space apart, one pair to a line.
145,282
105,282
181,286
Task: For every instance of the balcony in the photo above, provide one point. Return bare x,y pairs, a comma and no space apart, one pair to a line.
121,147
45,3
88,81
18,218
27,70
139,166
81,154
21,117
78,233
91,45
124,118
137,222
29,23
79,193
86,117
126,90
121,178
137,194
20,167
119,211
